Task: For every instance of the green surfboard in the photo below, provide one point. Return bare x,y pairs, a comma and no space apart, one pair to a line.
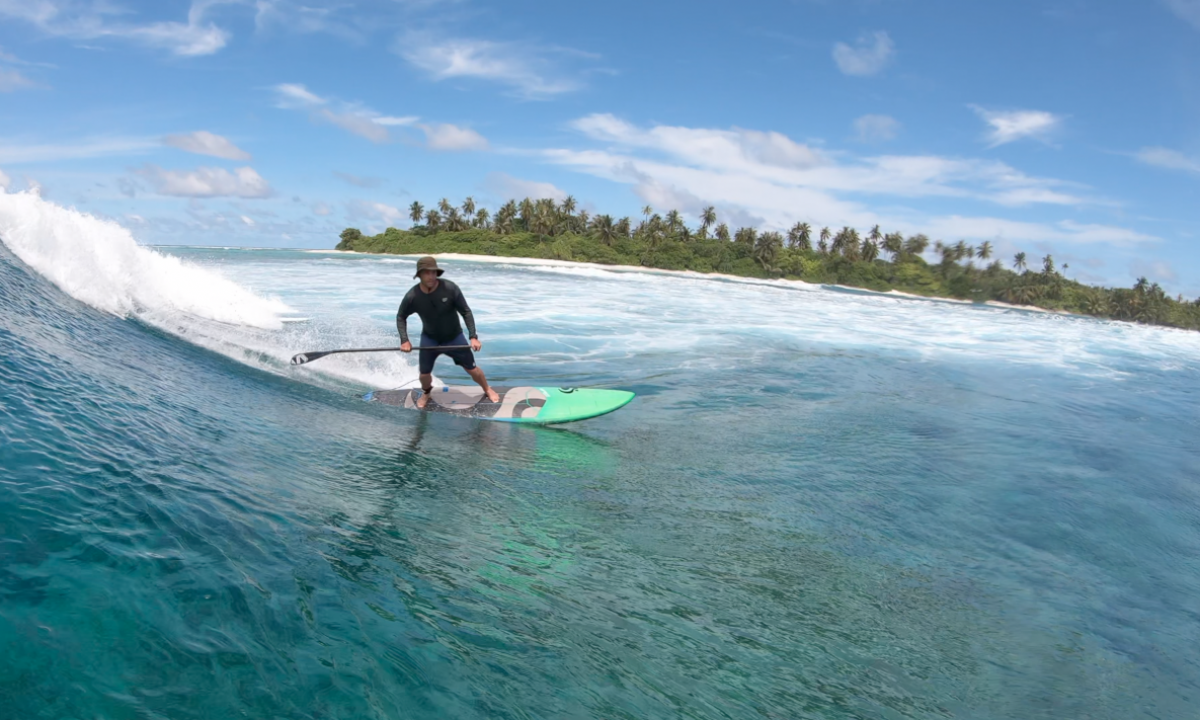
536,405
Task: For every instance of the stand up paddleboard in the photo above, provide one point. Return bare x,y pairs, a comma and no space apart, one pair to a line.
538,405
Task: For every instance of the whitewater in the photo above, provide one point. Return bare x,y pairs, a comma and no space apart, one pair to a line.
823,503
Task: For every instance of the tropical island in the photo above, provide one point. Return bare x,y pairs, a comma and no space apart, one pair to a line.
552,230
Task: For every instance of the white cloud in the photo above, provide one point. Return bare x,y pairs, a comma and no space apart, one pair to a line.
379,212
740,153
351,117
357,123
507,63
713,148
666,170
452,137
1189,10
1154,271
1008,126
987,228
90,21
202,142
5,181
507,187
25,152
321,209
12,80
868,56
876,128
179,38
292,95
243,182
396,121
357,181
1167,158
248,221
299,17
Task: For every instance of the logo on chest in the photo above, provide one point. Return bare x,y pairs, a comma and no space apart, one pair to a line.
445,299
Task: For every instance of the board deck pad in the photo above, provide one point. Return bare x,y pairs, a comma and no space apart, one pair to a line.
524,404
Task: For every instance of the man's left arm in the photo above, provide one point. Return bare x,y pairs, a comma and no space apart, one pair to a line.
460,304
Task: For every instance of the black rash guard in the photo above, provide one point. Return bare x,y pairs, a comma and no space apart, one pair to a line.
438,310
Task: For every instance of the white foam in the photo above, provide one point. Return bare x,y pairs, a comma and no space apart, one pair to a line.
99,263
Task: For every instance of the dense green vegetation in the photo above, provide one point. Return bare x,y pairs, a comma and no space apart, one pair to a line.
550,230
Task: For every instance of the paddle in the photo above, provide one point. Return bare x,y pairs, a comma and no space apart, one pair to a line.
318,354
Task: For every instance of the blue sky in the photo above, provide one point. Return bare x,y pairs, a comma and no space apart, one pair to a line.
1055,126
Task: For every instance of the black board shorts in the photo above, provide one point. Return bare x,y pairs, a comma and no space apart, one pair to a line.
465,359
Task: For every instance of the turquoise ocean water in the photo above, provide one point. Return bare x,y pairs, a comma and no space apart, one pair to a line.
821,504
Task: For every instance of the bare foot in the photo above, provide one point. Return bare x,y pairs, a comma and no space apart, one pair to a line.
493,395
423,400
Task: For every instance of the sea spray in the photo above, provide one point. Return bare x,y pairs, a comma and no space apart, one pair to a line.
100,263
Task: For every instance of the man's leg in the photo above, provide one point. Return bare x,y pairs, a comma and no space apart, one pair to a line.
425,367
478,376
426,388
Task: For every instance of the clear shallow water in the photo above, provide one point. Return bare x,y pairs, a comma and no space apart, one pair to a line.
822,504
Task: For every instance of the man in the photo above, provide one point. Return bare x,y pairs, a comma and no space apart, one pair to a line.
439,303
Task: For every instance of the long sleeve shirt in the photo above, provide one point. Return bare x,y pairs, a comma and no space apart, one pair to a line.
439,311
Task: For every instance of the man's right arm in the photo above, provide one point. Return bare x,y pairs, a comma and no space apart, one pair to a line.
402,316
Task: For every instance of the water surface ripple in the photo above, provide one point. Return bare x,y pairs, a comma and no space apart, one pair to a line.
821,505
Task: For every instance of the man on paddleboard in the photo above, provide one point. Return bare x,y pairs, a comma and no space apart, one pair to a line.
439,303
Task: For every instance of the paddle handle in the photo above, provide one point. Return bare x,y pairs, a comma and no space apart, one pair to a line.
308,357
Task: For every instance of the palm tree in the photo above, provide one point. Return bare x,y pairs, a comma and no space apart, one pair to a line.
654,230
823,245
1048,265
839,241
454,221
623,227
468,206
852,245
416,212
1019,262
525,214
708,216
916,244
503,224
544,217
746,236
875,236
893,243
481,218
961,250
444,206
722,232
674,221
766,248
433,220
800,237
568,205
604,229
985,251
870,249
647,211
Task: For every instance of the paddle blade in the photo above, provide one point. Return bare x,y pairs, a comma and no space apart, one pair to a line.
308,357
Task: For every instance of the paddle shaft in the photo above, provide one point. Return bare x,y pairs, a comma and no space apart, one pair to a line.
318,354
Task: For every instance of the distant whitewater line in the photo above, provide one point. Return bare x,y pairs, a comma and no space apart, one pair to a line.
778,282
912,278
